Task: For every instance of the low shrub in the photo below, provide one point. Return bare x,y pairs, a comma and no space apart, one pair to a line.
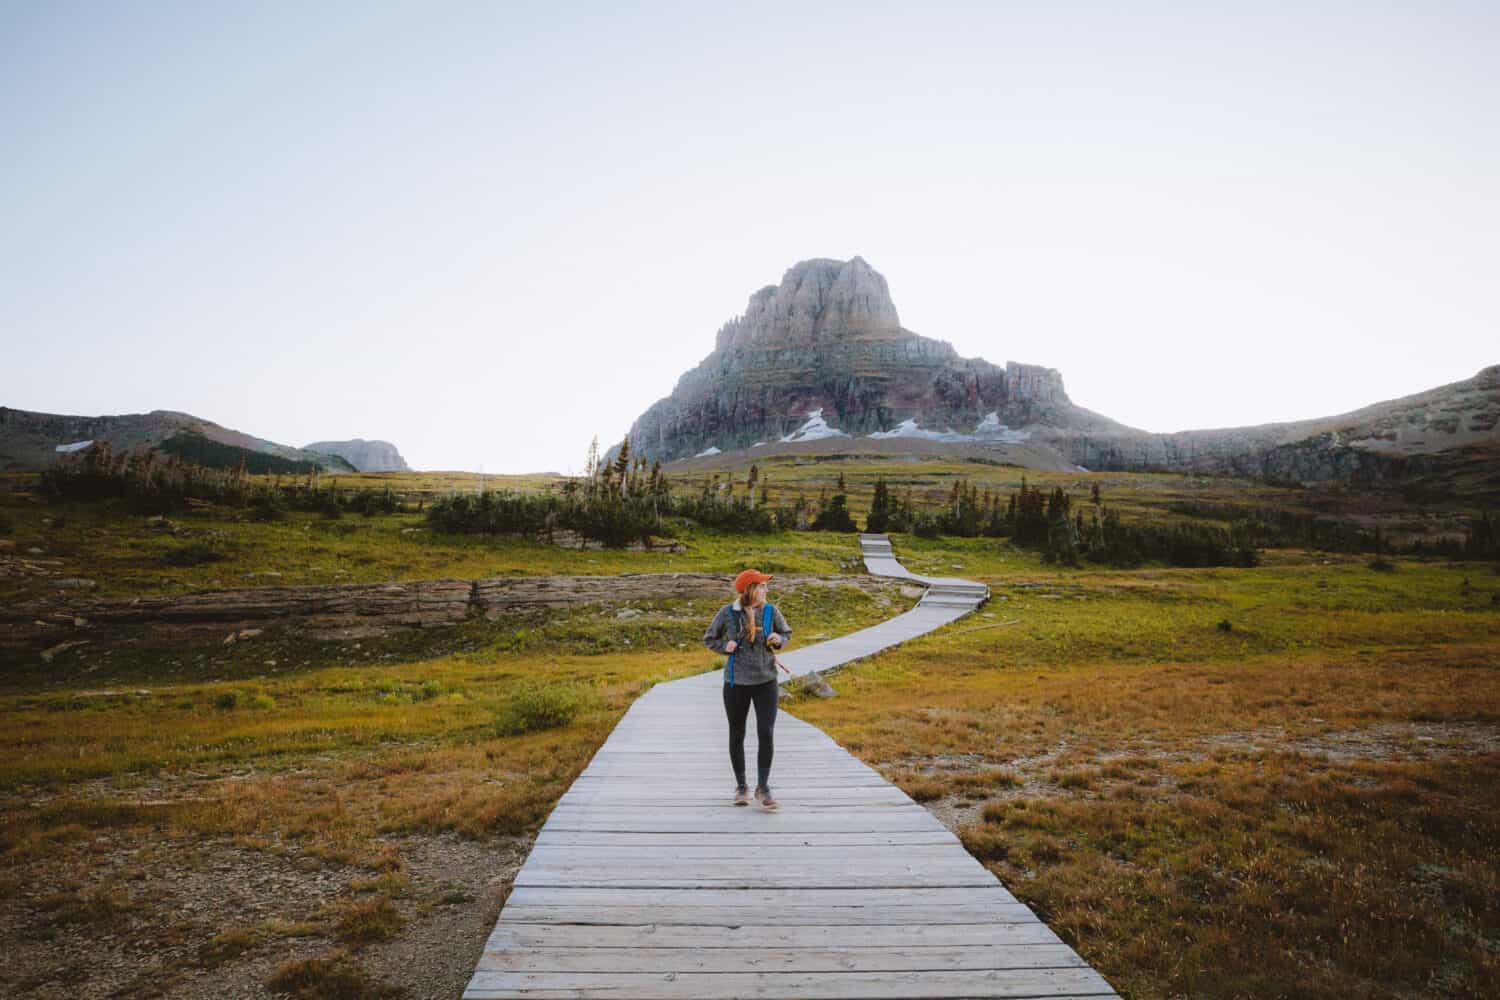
536,706
329,977
194,554
373,919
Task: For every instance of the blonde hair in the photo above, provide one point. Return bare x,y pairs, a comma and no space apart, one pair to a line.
752,621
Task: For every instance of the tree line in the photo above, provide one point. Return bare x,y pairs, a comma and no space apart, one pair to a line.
152,483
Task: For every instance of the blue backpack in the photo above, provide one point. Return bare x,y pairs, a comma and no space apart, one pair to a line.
766,619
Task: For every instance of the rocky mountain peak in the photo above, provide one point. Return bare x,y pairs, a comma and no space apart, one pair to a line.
818,300
823,355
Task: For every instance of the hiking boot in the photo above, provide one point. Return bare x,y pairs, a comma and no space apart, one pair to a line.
742,796
767,801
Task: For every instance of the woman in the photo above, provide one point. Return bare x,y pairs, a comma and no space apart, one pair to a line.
749,631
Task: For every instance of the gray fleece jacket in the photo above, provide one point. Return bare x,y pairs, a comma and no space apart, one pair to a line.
753,663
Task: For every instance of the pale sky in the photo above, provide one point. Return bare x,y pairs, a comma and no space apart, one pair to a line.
487,232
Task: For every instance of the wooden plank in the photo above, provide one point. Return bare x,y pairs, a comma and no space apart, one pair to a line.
669,985
736,838
844,958
737,916
576,896
552,854
509,934
789,822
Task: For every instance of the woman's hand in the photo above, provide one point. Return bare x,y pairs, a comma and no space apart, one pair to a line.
774,639
730,646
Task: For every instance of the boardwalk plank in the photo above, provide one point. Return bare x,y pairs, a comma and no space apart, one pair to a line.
908,985
843,958
752,937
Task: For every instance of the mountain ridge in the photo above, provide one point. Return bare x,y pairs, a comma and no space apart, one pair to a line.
823,356
31,439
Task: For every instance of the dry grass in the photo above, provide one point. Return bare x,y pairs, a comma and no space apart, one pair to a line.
1302,804
311,775
335,976
1306,806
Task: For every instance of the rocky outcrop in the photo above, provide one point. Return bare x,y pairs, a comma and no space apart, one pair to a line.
821,362
342,612
365,456
31,440
824,354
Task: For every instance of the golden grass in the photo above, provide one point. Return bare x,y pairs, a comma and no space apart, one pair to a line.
1306,805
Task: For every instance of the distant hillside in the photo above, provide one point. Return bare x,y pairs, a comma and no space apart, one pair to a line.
31,440
199,450
365,456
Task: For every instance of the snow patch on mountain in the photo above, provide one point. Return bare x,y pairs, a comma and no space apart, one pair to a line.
814,429
988,429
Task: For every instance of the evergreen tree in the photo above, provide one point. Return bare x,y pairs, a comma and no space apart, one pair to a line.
880,508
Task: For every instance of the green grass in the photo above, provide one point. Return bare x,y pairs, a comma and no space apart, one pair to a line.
218,546
1146,778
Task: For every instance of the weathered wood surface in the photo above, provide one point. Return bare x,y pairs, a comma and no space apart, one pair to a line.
647,882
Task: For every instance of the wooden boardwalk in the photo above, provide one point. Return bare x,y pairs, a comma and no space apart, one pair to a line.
646,881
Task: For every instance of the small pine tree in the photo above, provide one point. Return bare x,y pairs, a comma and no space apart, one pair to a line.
880,512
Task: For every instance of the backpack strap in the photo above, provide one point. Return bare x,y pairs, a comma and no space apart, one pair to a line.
729,669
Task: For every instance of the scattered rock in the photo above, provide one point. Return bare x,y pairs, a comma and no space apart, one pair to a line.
50,652
73,583
815,685
910,591
573,540
628,613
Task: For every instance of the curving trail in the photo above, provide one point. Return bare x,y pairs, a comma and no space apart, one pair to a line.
646,883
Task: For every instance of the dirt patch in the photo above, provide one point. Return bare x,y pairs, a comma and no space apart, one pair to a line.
217,918
968,780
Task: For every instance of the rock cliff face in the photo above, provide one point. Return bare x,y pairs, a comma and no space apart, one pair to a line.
823,354
365,456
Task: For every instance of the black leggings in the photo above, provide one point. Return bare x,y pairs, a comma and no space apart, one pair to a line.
737,699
